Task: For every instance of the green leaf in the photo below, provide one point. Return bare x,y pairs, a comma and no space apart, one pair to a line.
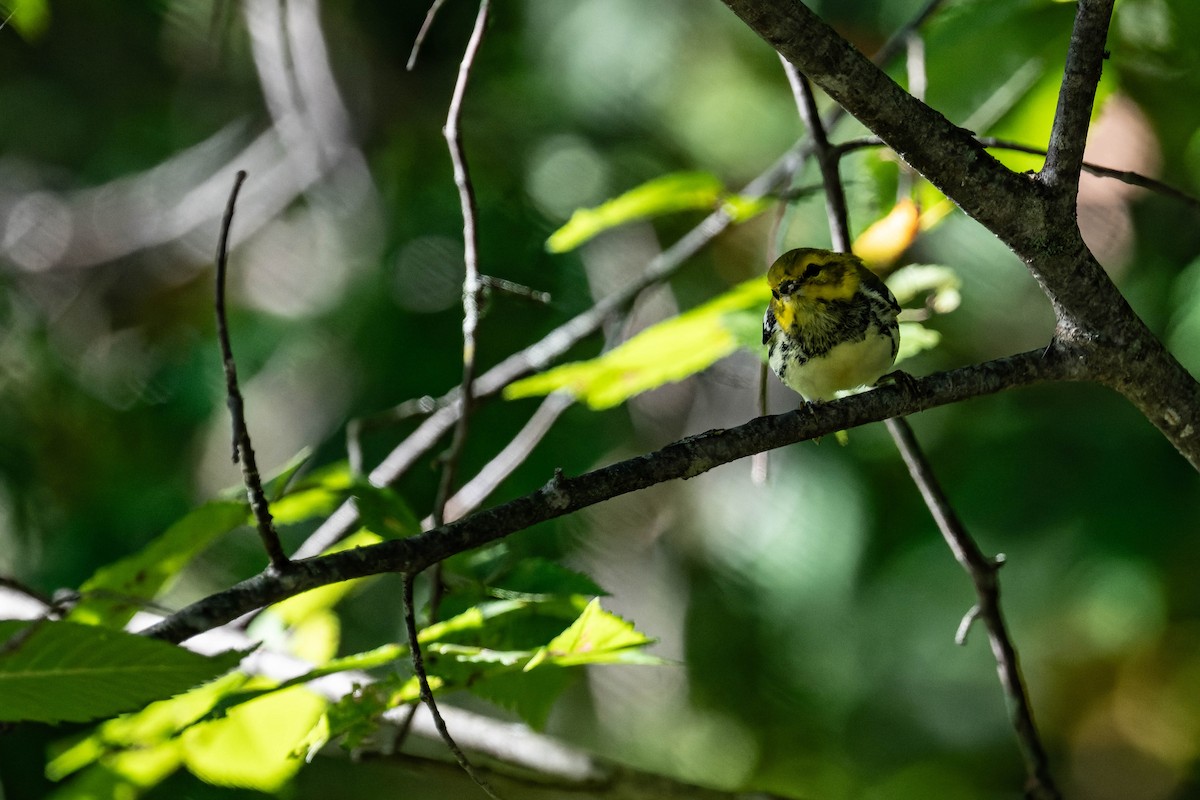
314,496
254,745
64,671
116,591
679,191
529,695
541,576
916,338
666,352
384,512
152,727
30,18
371,659
597,637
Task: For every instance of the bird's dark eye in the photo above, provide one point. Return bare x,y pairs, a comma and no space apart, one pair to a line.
811,271
787,287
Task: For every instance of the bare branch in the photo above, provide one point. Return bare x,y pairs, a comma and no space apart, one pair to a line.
243,452
1068,136
472,495
982,570
472,290
827,160
993,143
421,34
418,662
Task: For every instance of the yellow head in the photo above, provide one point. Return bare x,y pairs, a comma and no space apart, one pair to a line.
803,278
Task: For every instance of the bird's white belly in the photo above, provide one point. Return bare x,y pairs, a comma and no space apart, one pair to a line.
846,366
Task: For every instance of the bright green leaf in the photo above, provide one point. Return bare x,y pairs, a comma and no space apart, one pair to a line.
666,352
154,725
64,671
315,495
679,191
254,745
116,591
30,18
597,637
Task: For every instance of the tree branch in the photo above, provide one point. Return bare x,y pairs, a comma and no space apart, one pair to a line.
472,289
1072,117
243,452
1100,171
418,662
562,495
982,571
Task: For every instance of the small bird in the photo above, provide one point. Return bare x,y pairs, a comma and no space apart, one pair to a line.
831,323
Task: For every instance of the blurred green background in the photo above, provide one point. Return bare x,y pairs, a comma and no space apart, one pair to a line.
812,617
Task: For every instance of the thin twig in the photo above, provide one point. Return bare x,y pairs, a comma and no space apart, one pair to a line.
418,662
515,289
993,143
472,291
827,161
472,286
18,586
359,426
421,34
982,571
243,453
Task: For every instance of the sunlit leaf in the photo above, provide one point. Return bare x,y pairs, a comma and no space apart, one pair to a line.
741,208
116,591
253,745
315,495
64,671
666,352
154,725
916,338
680,191
123,775
30,18
597,637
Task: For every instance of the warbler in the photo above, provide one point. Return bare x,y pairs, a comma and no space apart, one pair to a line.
831,323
